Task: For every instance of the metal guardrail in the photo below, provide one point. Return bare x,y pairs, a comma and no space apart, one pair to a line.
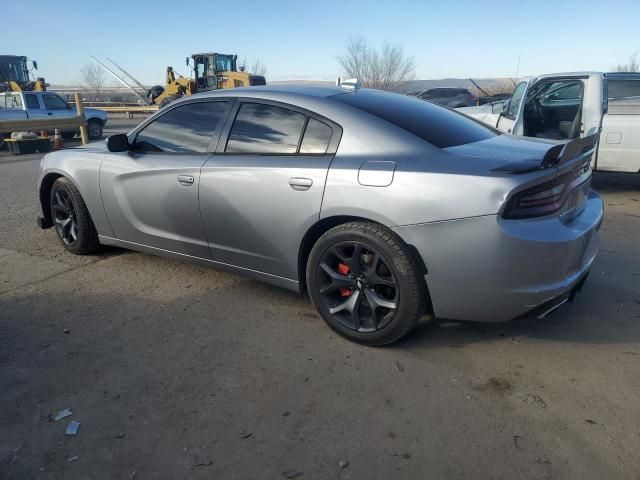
8,126
137,109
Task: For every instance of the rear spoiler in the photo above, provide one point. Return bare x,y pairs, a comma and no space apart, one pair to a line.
556,155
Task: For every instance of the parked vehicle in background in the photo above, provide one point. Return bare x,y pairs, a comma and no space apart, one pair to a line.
39,105
449,97
498,97
381,206
566,106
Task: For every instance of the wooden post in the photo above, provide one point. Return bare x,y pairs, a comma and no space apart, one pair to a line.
83,130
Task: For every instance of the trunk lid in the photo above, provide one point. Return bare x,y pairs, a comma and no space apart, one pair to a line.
556,175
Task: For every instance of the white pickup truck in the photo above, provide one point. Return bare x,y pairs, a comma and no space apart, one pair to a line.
32,105
572,105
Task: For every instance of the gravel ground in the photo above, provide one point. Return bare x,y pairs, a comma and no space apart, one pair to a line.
175,371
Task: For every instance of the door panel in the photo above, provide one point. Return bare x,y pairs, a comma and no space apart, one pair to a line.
152,199
256,209
56,107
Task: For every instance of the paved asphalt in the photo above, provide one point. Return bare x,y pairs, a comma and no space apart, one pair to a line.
176,371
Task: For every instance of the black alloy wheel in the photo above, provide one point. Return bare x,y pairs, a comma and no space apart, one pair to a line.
366,283
71,218
357,287
64,216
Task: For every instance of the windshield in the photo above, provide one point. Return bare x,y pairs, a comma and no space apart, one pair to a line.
13,68
225,63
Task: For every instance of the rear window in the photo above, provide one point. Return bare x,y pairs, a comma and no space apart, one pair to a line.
621,89
437,125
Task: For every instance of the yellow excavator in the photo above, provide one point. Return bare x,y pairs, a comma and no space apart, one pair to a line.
14,75
211,72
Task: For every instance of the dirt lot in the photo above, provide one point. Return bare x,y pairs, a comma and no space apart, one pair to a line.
175,371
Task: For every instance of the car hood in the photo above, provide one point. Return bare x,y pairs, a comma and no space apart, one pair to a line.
502,151
94,147
96,113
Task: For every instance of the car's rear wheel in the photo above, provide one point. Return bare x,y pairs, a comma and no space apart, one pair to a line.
71,218
365,283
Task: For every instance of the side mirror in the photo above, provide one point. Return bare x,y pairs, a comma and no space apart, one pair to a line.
35,65
118,143
497,107
187,61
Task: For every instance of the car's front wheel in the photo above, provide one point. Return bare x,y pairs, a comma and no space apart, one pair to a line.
94,128
365,283
71,218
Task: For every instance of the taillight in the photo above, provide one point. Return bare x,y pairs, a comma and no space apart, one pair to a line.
535,202
549,197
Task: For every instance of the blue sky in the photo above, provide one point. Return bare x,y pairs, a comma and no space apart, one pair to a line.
301,39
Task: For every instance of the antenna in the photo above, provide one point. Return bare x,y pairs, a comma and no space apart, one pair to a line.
144,100
518,66
349,83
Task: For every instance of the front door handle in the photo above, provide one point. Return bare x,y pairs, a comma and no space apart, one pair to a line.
185,180
300,183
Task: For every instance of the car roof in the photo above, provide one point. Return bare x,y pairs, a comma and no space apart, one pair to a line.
278,90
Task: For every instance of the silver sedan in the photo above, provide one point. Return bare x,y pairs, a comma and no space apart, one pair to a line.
382,207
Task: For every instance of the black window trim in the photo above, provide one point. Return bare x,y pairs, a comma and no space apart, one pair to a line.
215,137
336,130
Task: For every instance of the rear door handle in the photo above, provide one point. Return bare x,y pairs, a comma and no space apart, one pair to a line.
300,183
185,180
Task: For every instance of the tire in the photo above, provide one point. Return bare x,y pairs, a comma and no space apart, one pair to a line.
355,266
71,218
94,129
68,135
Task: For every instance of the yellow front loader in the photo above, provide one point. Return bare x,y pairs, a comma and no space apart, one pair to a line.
14,75
211,72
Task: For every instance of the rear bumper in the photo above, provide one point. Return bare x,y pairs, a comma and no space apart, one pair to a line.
491,269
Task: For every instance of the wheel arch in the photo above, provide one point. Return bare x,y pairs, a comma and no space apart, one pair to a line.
325,224
45,197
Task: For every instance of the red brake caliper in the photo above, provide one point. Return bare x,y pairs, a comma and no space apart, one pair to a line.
343,270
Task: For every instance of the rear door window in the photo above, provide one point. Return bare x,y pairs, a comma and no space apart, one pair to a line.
31,100
437,125
316,137
621,89
188,128
265,129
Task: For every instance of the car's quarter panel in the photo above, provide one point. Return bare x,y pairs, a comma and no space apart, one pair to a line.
148,202
253,217
428,184
82,166
492,269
